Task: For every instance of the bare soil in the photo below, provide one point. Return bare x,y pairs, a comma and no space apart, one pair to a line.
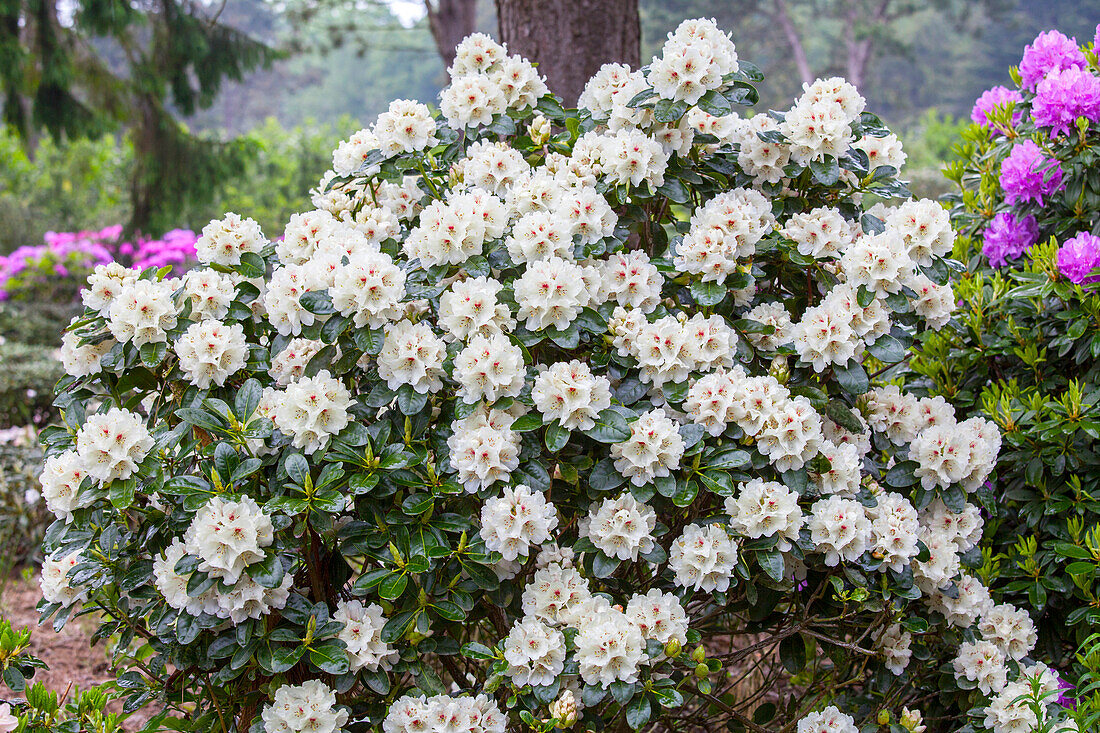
73,662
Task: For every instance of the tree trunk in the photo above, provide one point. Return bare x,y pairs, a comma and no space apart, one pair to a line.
571,39
794,40
450,21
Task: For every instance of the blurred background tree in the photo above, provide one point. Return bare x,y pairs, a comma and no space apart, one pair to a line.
76,70
268,87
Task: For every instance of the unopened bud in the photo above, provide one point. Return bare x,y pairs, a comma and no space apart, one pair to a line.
565,710
673,648
539,130
492,683
883,717
702,670
779,369
698,654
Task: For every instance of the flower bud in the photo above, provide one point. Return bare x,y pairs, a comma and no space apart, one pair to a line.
701,670
673,648
539,130
883,717
565,710
780,370
492,683
698,654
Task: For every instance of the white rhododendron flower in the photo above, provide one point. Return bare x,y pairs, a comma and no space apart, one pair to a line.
111,444
517,521
652,451
223,241
54,580
210,293
569,393
60,481
622,527
535,653
83,360
412,354
406,127
369,288
362,633
765,509
228,536
478,714
829,720
290,363
104,285
610,648
840,529
490,367
313,409
703,558
310,706
143,312
211,351
659,616
1010,628
982,663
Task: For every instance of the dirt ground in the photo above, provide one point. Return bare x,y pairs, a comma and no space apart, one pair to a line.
71,658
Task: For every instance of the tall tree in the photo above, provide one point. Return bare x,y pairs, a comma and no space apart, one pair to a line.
79,68
571,39
450,21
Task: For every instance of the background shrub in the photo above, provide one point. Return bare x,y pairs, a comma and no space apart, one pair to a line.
1024,348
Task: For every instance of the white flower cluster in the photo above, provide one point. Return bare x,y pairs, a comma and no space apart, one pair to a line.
694,59
310,706
224,240
486,81
820,122
228,536
54,580
362,633
724,231
312,409
621,527
484,449
111,444
517,521
444,714
569,393
211,351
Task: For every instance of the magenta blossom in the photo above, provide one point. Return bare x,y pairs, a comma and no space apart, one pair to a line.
1028,175
991,99
1078,257
1008,236
1051,51
1065,95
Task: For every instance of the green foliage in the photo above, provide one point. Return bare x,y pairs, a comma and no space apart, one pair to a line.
23,514
60,71
27,381
42,710
69,186
83,184
36,324
1023,351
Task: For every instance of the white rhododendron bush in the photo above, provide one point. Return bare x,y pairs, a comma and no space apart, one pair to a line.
544,418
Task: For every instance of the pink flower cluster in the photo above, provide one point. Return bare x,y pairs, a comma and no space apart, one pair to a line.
1050,51
993,98
1028,175
69,257
1079,257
